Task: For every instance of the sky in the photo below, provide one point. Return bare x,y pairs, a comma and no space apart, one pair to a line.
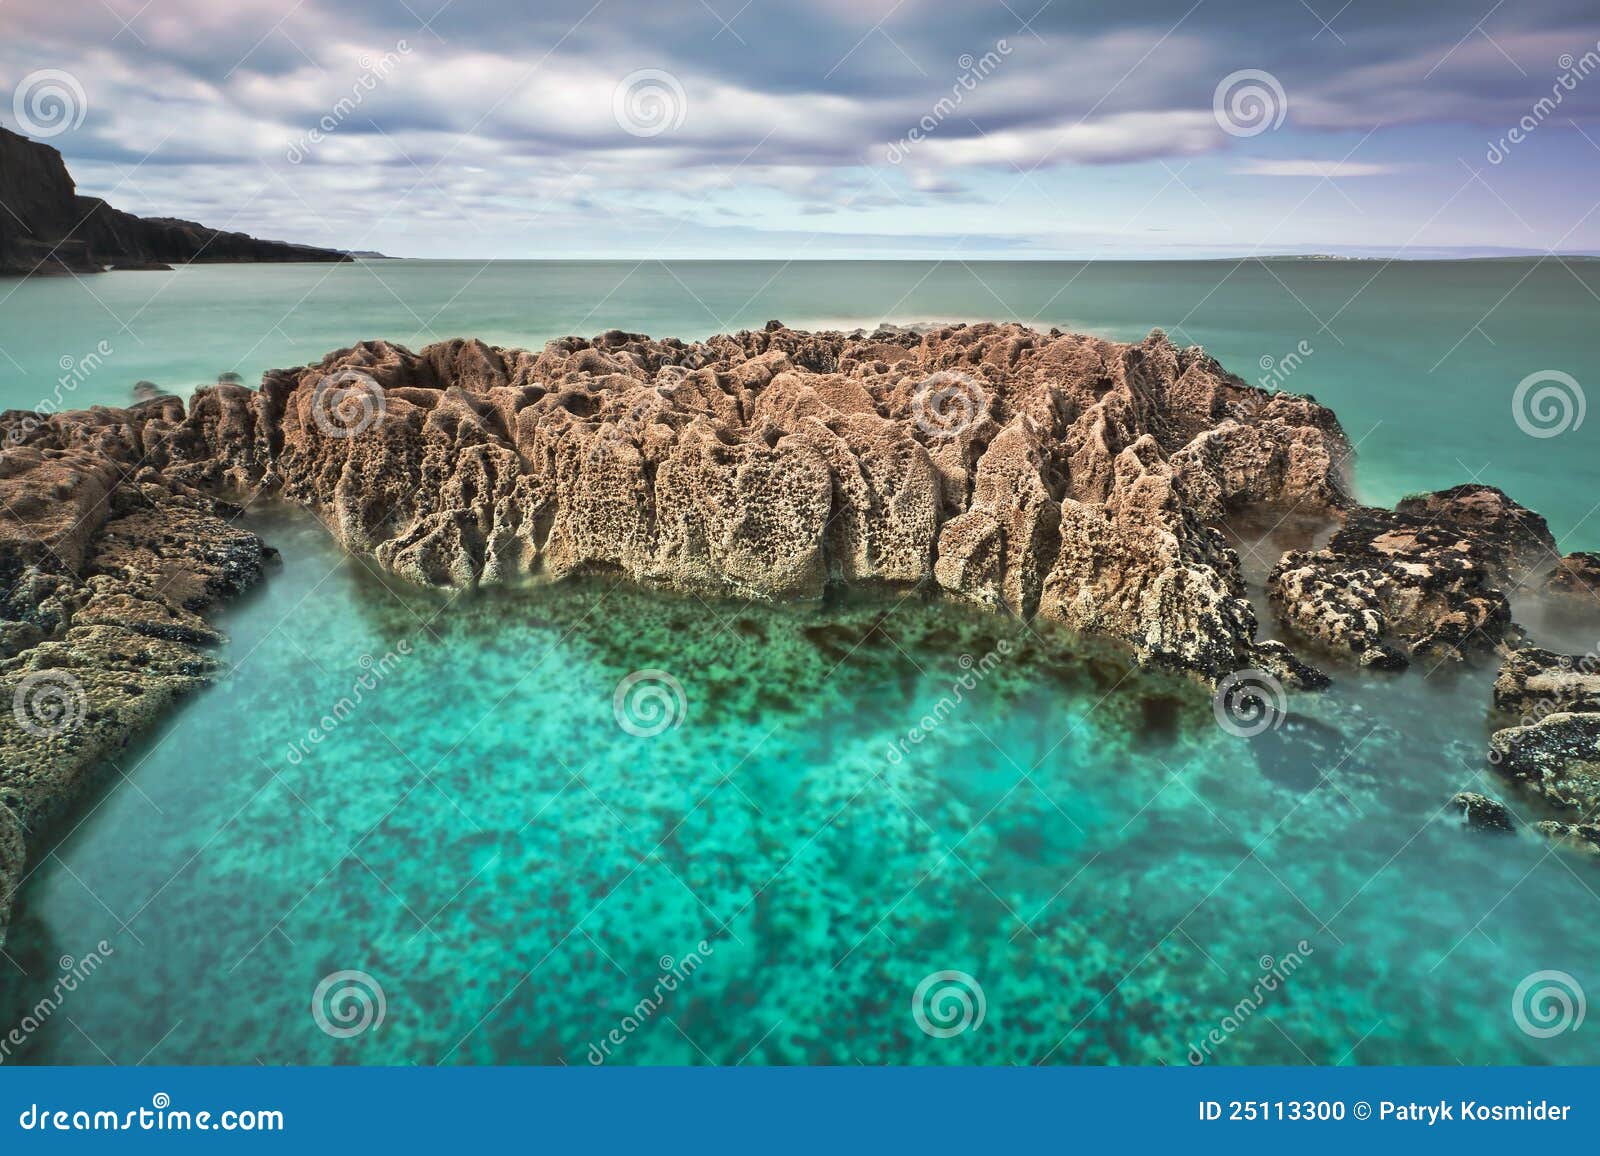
834,128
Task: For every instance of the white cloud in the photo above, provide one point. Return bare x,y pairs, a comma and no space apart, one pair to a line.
1333,170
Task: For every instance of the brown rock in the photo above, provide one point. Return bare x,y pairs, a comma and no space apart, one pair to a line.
1057,475
1576,582
1423,579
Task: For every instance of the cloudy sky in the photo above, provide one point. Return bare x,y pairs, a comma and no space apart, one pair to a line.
739,128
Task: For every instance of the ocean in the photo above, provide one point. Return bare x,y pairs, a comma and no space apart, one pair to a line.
493,853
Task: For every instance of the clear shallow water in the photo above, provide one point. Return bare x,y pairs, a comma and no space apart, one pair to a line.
516,870
1419,359
511,865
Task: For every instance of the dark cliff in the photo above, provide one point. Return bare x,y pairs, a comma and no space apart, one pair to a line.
45,226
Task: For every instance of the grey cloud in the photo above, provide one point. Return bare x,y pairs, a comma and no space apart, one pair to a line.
503,103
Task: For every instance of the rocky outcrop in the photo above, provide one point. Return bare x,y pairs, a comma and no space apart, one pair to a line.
1482,813
1557,758
1534,683
1426,579
1554,750
1576,582
1058,474
106,568
1055,476
47,227
1039,474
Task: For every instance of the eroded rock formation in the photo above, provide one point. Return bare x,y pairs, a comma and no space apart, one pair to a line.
105,569
1576,580
1426,579
1053,475
1553,751
1062,475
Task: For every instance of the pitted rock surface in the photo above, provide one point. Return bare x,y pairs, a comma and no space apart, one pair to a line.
1053,475
1427,578
1060,475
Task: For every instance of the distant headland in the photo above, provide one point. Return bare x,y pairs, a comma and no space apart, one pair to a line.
49,228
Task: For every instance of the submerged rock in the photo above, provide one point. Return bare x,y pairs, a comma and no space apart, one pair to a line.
1481,812
1574,836
1557,757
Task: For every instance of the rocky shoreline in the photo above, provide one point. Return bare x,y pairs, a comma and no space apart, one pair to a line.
1046,475
47,227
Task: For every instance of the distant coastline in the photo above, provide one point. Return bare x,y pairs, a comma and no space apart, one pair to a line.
1297,258
47,227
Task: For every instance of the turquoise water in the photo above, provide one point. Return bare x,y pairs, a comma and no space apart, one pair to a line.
516,861
1420,359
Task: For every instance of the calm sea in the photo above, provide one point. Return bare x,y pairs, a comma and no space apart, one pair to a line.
1076,850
